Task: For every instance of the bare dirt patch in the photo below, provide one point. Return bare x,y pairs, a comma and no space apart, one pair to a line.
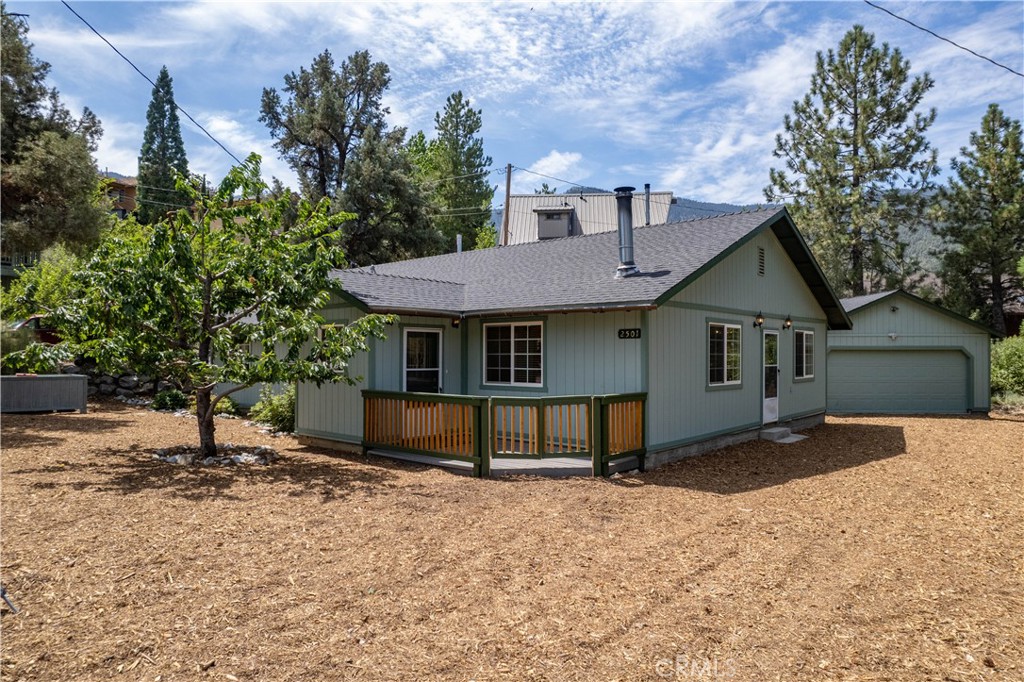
878,549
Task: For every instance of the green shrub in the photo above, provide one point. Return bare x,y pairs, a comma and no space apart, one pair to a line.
225,406
1008,366
171,399
33,358
276,411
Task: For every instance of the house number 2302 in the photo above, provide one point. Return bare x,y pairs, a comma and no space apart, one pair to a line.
629,333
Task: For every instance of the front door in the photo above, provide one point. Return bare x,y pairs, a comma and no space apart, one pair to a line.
423,360
770,412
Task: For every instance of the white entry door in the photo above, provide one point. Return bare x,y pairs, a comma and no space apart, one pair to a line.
770,412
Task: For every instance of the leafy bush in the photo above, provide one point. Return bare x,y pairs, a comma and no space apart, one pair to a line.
33,358
171,399
45,286
275,410
225,406
1008,366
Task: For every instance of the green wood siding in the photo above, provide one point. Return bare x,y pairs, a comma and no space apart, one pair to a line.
681,406
583,355
335,410
921,328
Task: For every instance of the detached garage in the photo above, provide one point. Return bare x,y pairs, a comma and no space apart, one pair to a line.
907,356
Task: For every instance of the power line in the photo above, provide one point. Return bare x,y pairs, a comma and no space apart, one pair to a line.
966,49
549,177
177,106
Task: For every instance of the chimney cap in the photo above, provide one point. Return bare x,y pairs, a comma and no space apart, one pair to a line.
624,190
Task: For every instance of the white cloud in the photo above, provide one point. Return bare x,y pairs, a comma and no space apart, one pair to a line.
556,164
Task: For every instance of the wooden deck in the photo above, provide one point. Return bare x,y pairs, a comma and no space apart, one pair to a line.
549,466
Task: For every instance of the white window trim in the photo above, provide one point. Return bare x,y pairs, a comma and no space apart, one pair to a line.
725,354
525,384
440,356
796,365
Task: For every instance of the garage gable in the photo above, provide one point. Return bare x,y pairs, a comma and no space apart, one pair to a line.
905,355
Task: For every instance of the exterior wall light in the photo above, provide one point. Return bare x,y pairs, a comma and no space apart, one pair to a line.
456,321
788,323
759,320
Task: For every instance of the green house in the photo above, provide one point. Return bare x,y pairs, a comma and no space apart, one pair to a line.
611,349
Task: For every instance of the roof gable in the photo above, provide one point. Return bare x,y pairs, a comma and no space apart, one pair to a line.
857,304
577,273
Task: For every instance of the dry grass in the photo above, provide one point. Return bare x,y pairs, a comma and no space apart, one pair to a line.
879,549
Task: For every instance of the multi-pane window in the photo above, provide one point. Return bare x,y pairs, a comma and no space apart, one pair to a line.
804,354
513,353
723,354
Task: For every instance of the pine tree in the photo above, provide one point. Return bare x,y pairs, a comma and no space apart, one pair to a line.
392,216
982,219
162,157
328,112
858,166
462,193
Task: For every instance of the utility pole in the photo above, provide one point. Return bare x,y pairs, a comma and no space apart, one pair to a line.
504,213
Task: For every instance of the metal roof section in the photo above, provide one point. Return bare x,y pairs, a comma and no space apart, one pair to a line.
577,273
592,213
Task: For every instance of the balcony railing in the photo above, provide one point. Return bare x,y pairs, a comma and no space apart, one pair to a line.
477,429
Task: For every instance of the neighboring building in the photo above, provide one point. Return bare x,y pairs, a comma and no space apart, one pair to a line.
540,350
534,217
907,356
121,190
11,265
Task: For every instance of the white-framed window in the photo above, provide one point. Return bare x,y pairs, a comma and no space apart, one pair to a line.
320,331
804,365
422,363
724,357
514,353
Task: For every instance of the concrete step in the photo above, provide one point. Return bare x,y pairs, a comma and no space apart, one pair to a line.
775,433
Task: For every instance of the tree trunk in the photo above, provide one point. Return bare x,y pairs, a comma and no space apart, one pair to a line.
204,413
998,318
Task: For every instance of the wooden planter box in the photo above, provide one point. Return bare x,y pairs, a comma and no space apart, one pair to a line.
43,393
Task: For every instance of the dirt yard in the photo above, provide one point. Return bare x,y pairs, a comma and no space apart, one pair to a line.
878,549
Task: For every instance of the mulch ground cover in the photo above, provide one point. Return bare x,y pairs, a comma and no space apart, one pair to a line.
877,549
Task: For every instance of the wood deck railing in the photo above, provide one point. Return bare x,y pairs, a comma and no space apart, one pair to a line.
623,419
541,427
476,429
446,426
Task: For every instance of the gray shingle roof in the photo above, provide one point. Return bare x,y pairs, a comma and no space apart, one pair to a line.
855,302
575,272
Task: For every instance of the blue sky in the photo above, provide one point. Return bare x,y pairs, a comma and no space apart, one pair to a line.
687,96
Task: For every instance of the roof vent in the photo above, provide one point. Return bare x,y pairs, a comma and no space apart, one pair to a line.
624,199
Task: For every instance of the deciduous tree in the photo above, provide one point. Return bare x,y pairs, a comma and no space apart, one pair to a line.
858,166
162,158
219,298
981,215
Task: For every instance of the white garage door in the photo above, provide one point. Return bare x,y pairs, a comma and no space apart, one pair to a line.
897,382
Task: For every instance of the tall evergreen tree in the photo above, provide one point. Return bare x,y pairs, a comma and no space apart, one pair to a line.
332,132
49,179
162,156
461,191
858,166
392,218
327,114
982,219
